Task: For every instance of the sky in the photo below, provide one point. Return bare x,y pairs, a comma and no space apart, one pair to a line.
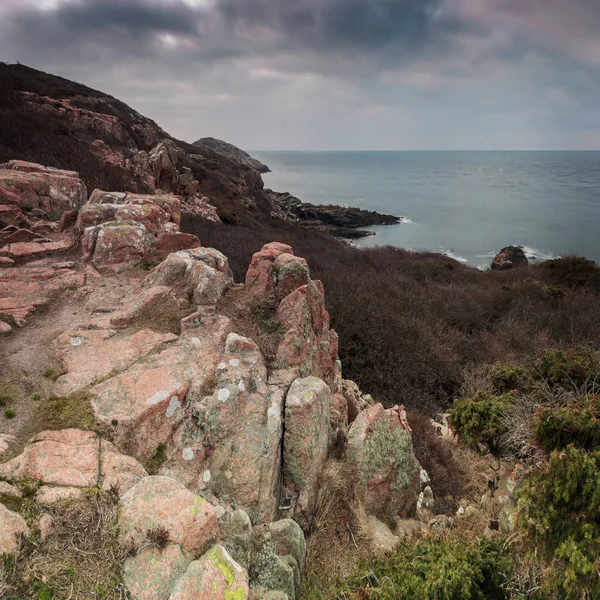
331,74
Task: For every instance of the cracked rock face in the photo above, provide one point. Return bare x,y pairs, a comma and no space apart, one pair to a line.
238,442
68,460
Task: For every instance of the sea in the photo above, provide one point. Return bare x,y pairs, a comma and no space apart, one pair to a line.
466,205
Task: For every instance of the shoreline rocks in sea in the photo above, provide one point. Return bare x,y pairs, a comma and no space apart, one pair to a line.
509,258
339,221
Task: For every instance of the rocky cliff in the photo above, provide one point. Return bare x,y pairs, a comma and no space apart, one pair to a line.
212,408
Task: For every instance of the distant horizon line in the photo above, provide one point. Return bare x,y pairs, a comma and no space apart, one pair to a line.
439,150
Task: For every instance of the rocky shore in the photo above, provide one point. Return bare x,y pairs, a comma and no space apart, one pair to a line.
340,221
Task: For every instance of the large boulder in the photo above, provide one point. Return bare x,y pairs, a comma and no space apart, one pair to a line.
305,444
215,576
120,229
117,246
145,403
309,346
152,573
275,272
200,274
380,449
232,443
161,502
509,258
30,186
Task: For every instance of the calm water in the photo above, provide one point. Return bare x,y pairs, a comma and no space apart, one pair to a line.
465,204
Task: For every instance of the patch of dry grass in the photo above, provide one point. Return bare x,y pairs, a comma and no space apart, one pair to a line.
339,537
81,557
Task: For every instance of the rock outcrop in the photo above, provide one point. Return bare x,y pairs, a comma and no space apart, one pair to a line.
232,152
236,441
120,230
509,258
28,188
68,461
380,448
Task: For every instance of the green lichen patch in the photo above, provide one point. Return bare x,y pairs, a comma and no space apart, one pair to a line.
238,594
387,450
217,558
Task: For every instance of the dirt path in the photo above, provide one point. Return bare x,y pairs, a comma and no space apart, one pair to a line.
28,364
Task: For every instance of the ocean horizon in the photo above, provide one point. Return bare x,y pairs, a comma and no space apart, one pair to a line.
466,204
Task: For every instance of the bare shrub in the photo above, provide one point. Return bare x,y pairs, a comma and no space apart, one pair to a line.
158,536
448,476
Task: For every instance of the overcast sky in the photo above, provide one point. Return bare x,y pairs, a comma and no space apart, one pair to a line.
331,74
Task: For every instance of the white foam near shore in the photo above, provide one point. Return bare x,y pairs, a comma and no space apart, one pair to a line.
535,254
451,254
532,254
406,221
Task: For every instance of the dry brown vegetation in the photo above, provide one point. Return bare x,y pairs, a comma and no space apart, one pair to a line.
252,320
339,537
80,558
409,324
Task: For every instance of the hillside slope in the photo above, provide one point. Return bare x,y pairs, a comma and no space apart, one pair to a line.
54,121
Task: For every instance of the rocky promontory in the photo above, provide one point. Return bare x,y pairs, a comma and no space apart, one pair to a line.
232,152
340,221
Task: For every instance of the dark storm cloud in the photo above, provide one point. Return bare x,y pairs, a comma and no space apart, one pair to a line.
80,19
337,24
242,27
331,73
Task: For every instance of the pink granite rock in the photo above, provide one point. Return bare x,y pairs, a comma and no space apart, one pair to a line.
118,470
275,272
153,217
156,298
202,273
308,346
23,289
68,458
163,502
30,186
115,246
305,444
146,401
11,215
216,576
380,448
88,353
152,573
12,527
232,444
